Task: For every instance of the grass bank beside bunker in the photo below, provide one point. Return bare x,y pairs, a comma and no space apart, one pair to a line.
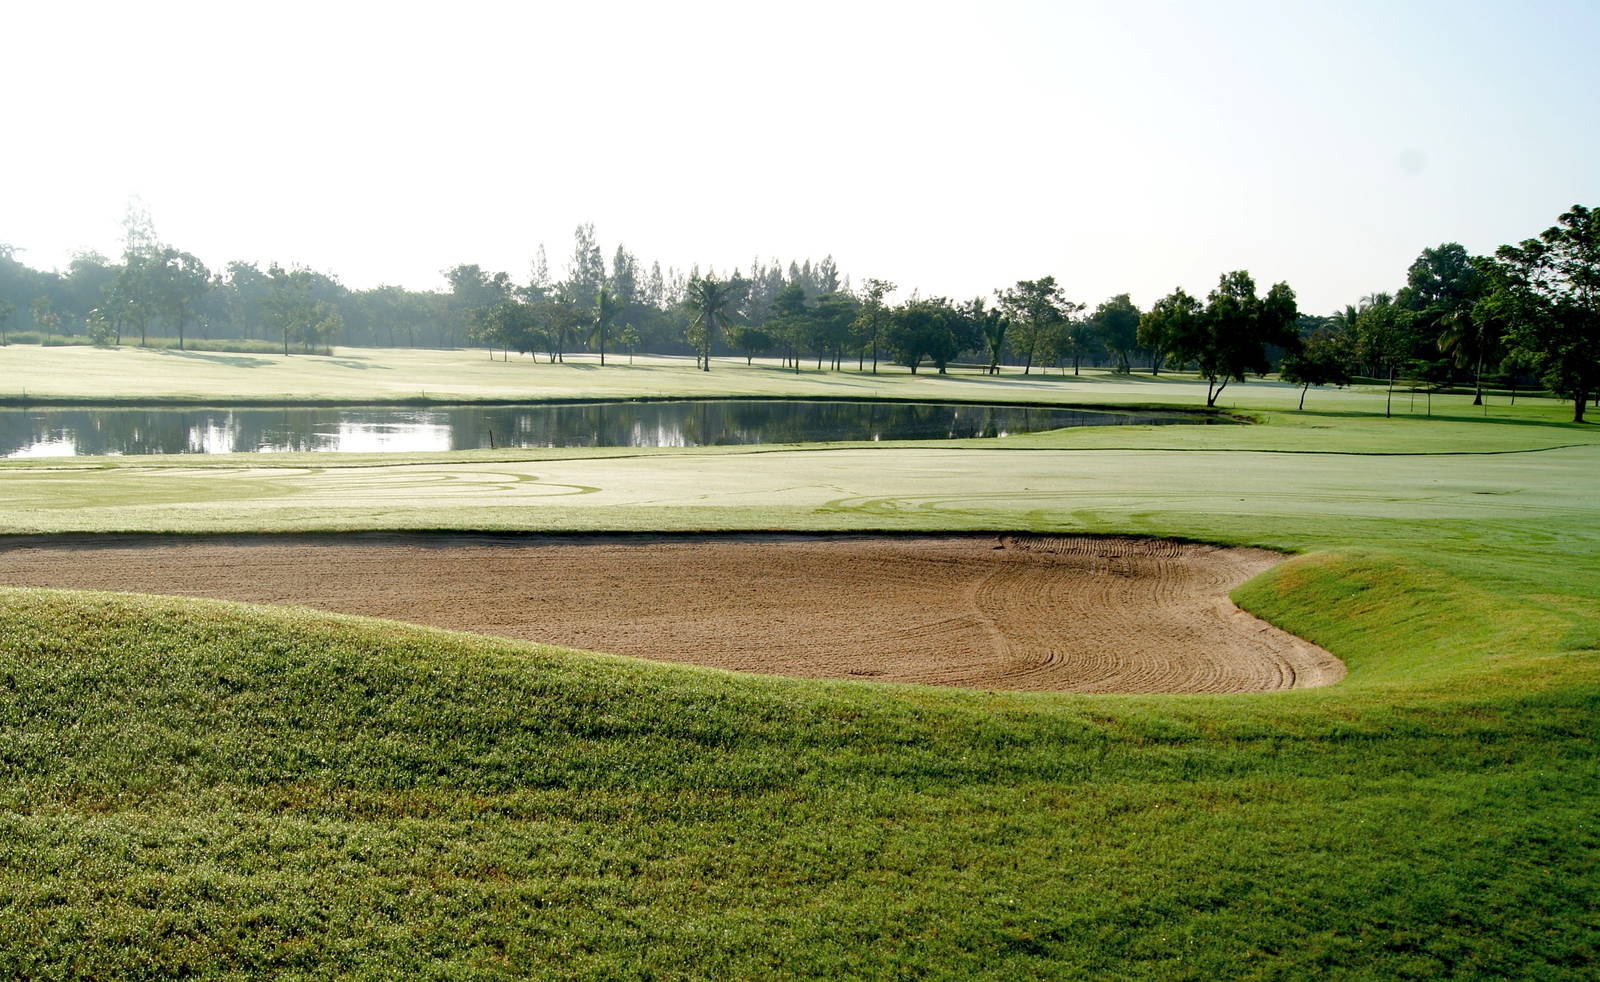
209,788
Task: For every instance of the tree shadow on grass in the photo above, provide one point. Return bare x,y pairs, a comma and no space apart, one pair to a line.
1027,380
236,361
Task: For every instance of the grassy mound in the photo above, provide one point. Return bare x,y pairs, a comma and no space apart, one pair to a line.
210,788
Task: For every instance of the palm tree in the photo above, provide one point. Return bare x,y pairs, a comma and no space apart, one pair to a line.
1344,321
1464,338
711,306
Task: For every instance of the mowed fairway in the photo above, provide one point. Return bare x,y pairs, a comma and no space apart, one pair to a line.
220,789
372,376
1258,497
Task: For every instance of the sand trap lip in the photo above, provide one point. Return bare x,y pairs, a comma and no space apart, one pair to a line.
1048,613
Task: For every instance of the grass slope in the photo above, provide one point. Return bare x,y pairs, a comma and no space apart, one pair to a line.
209,788
196,787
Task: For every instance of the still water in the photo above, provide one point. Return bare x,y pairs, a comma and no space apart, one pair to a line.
104,432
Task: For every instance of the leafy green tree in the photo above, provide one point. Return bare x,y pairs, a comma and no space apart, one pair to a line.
562,323
1167,319
1172,317
628,337
624,279
508,324
1473,335
586,273
98,326
911,329
1441,280
965,331
1385,335
990,325
182,281
1442,288
1553,287
539,273
7,308
1514,366
133,293
833,317
88,279
288,302
1037,310
1231,335
873,317
44,316
472,291
929,329
322,326
1076,339
1324,359
712,306
245,288
826,277
749,340
1117,323
295,312
790,322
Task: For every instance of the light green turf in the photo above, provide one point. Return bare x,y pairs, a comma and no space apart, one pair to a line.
1293,469
208,788
353,375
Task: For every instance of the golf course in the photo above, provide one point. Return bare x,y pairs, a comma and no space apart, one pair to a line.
205,787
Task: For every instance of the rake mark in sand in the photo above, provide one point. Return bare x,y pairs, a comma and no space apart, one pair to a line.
1056,613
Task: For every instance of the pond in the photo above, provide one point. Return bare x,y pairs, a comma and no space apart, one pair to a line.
689,423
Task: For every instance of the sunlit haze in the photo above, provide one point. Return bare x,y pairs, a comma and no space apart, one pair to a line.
952,148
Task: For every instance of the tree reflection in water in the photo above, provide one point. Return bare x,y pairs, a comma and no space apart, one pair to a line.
688,423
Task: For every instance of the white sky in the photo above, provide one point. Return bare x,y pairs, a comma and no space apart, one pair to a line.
1122,147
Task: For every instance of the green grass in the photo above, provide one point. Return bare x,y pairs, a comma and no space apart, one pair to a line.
215,789
85,375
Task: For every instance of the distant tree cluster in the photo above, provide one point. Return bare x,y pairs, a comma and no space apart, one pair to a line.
156,293
1530,311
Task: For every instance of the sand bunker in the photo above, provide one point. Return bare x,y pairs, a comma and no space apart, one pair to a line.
1073,614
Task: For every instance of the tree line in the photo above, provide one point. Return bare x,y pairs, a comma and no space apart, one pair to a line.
1531,310
156,290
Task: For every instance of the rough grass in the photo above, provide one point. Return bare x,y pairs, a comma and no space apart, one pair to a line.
203,788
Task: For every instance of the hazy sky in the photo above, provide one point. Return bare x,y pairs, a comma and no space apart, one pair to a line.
955,148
